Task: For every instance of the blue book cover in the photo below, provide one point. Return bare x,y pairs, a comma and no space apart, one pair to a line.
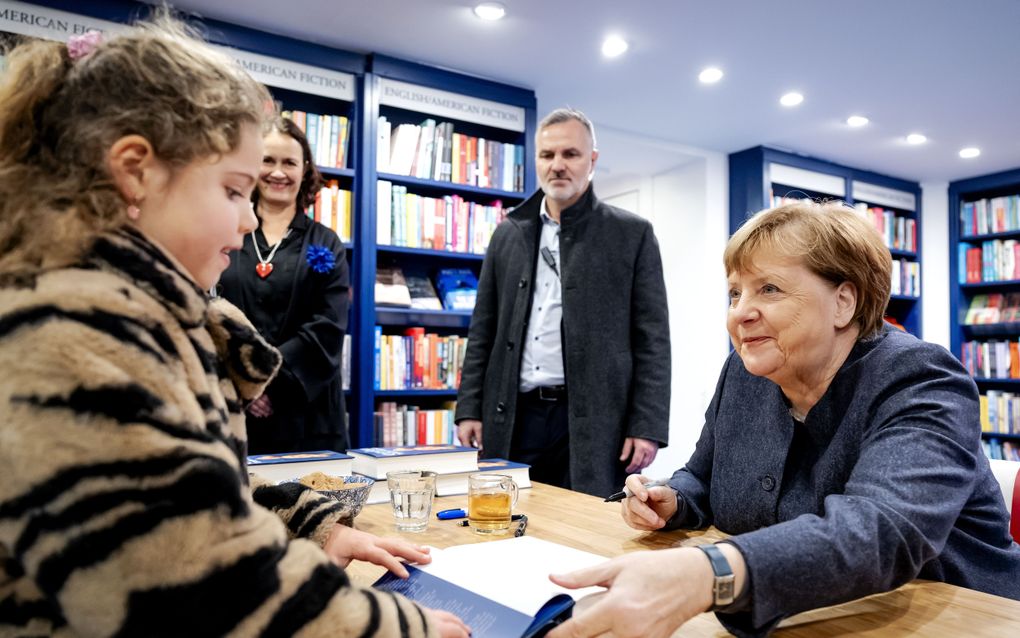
486,617
297,457
442,459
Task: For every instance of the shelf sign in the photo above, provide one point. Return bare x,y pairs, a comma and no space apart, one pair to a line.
45,23
286,74
808,180
453,105
872,194
51,24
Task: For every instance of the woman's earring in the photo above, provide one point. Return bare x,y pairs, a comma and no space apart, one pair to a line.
133,212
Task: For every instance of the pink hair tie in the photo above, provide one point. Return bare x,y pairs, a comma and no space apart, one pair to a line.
78,46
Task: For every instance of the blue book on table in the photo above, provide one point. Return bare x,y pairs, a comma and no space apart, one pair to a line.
486,617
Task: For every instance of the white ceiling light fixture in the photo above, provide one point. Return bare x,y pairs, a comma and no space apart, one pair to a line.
857,121
614,46
490,11
970,152
916,138
711,75
791,99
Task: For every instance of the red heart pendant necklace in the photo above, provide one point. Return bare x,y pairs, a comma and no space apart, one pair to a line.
265,267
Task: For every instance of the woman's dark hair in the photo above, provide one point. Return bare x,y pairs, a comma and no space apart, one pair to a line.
311,179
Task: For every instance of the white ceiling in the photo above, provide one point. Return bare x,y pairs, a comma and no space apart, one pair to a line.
945,68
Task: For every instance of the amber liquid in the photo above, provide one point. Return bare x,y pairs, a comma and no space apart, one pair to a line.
488,513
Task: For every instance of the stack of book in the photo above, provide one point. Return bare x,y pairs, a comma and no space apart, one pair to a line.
452,463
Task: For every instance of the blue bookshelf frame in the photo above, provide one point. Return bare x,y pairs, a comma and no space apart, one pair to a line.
960,294
362,176
367,316
751,186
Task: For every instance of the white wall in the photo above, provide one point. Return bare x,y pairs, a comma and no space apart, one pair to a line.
687,205
935,262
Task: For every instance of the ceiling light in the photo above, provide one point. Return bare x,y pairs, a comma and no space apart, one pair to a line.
916,138
490,11
614,46
970,152
711,75
857,120
791,99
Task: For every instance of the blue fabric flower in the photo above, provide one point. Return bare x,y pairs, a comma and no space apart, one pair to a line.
320,259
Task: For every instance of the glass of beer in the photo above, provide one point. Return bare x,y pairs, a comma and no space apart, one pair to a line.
491,500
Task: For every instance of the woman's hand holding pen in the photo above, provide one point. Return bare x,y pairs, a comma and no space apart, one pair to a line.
649,507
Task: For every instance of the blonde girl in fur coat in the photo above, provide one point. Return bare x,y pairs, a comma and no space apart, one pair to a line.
126,168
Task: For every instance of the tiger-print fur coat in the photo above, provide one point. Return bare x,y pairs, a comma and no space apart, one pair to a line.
125,505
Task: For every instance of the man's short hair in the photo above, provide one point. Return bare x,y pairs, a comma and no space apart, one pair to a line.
559,116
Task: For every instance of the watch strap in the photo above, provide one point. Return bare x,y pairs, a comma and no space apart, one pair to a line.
723,586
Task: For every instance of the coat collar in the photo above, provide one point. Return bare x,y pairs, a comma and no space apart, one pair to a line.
527,214
249,361
131,255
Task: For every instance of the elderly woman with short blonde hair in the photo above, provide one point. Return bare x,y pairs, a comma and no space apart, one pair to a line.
843,456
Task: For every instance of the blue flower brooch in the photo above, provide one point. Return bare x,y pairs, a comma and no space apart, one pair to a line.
320,259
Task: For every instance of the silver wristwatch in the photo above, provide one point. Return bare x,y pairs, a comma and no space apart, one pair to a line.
722,588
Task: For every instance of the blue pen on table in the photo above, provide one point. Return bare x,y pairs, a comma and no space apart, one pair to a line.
446,515
619,496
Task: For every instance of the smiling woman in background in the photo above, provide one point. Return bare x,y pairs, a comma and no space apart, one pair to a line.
291,280
842,455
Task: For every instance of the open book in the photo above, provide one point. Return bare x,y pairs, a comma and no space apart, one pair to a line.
501,589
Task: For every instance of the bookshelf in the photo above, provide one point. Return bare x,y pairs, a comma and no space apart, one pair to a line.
761,175
984,228
398,93
322,80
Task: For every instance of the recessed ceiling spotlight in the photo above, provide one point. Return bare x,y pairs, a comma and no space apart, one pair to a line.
916,138
970,152
791,99
490,10
711,75
857,121
614,46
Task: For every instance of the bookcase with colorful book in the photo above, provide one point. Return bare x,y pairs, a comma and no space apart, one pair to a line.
984,234
764,177
445,156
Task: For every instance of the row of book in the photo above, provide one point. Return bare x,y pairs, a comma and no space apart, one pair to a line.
994,215
993,308
418,361
1000,412
398,425
333,209
906,278
1001,450
448,223
452,464
458,287
898,232
435,152
328,136
995,260
993,359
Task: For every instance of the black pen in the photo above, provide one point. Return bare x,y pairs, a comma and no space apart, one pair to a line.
619,496
515,517
523,525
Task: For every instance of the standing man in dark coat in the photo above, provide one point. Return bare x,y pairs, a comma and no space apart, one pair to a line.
568,360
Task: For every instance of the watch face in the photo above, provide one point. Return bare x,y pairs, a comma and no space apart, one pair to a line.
724,590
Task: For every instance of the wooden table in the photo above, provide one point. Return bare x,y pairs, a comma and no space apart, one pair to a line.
920,608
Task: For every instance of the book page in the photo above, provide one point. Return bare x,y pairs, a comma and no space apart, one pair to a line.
514,571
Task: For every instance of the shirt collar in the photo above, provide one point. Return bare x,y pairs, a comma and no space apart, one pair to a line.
544,215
